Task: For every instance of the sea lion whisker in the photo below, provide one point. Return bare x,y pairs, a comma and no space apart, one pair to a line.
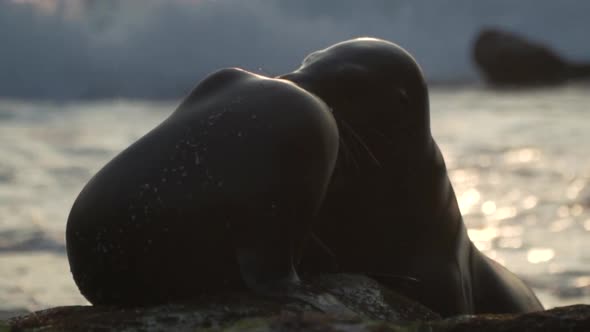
395,276
349,154
361,142
322,245
382,135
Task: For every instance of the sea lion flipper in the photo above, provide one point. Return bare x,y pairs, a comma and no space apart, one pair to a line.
501,288
266,268
322,260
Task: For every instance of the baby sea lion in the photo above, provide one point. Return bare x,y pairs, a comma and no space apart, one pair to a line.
390,210
216,197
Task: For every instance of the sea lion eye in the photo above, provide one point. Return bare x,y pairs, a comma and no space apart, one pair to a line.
403,96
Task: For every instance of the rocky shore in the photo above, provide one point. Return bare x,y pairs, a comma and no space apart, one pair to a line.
334,303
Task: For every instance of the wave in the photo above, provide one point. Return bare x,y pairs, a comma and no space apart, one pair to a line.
12,241
157,49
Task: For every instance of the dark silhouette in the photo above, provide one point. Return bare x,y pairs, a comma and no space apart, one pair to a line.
222,195
390,209
505,58
218,197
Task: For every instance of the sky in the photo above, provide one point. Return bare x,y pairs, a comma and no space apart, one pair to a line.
75,49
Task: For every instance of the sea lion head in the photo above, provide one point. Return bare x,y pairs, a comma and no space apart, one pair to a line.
377,93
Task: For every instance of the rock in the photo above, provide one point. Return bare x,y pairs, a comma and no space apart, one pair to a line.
330,303
4,315
330,298
505,58
571,319
188,318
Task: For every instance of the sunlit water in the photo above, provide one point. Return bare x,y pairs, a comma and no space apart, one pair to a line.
519,163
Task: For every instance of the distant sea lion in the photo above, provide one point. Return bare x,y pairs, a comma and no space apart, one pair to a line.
217,197
390,210
506,58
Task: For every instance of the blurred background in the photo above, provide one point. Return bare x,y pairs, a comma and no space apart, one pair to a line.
82,79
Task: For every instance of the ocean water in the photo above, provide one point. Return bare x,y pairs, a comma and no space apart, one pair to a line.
154,48
519,162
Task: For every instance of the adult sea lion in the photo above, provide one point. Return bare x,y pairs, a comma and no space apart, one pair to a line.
390,210
217,197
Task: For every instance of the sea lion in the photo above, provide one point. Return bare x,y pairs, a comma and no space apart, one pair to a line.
216,197
390,210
